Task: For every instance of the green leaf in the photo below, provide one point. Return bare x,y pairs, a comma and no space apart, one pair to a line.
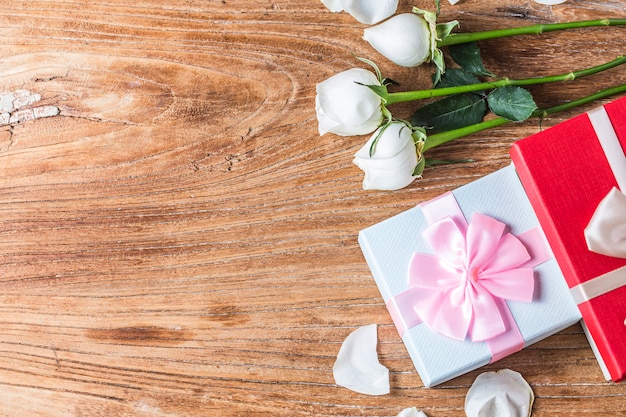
436,55
373,65
380,90
511,102
455,111
419,169
436,77
418,133
450,113
444,29
457,76
467,55
386,122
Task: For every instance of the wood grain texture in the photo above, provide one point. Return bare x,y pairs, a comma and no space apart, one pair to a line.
179,241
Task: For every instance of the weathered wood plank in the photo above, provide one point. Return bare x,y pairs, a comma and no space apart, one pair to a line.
178,239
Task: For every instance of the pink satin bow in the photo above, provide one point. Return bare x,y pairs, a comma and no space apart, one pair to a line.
461,290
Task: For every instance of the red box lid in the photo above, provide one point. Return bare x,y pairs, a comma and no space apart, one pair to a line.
566,174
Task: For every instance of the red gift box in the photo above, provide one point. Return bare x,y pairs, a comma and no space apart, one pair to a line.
567,170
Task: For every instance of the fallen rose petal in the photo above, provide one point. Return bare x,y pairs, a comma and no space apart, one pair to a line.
411,412
333,5
357,367
370,12
550,2
504,393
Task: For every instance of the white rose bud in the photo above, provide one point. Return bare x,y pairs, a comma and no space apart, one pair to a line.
393,161
346,106
404,39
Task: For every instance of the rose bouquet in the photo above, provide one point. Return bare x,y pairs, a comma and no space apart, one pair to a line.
357,101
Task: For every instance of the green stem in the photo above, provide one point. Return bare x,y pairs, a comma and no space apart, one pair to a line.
457,38
404,96
444,137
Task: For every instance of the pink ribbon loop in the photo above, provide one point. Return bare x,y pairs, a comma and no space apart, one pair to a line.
461,291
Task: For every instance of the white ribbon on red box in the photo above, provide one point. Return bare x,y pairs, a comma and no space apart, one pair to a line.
598,286
606,231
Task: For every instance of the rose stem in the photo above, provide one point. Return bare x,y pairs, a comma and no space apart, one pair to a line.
444,137
404,96
457,38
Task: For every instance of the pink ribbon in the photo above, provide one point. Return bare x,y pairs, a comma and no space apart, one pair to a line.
460,292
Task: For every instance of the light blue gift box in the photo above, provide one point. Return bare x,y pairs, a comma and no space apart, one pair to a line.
389,245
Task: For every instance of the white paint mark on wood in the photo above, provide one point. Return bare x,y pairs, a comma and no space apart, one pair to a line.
6,102
24,98
12,107
22,116
45,111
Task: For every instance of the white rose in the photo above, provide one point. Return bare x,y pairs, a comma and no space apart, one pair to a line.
365,11
404,39
346,106
393,161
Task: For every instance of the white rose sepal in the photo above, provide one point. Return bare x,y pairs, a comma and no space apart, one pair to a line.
346,106
390,157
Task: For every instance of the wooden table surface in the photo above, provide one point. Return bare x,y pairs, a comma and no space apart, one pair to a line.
179,240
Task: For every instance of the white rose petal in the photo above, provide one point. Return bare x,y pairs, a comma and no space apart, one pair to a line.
404,39
393,162
453,1
504,394
333,5
346,106
411,412
550,2
357,367
370,11
327,124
